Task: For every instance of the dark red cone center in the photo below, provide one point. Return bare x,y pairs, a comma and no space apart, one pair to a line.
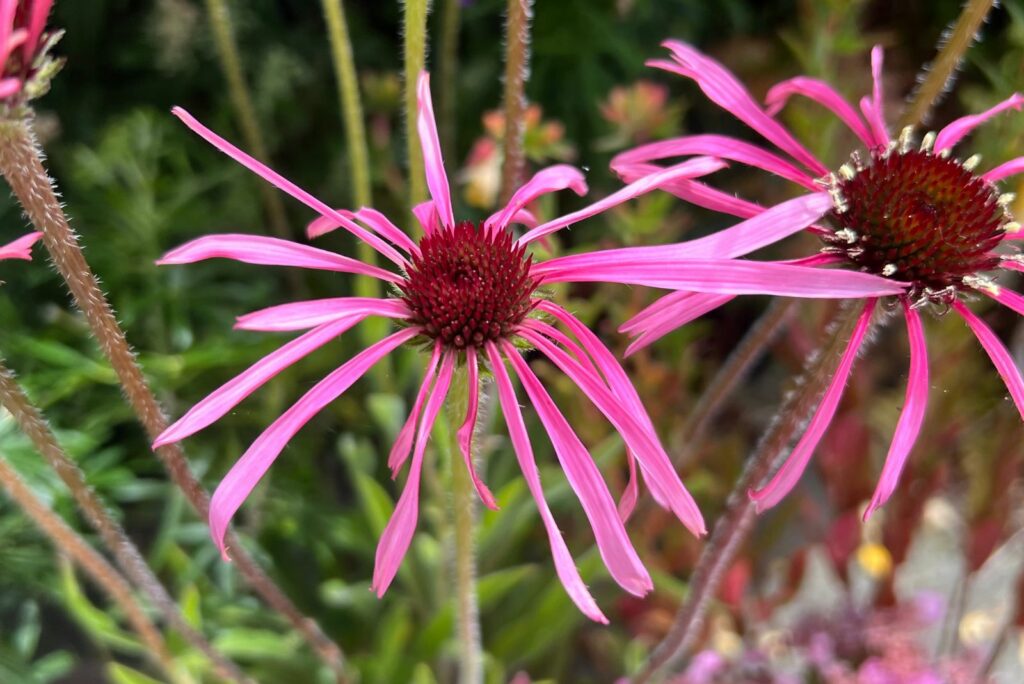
918,217
468,285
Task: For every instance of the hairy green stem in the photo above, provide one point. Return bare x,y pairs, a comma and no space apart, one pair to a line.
22,166
517,68
415,57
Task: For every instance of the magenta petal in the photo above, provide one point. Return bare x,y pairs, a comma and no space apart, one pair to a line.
873,108
268,251
955,132
585,479
40,9
694,192
9,86
231,393
823,94
996,351
699,166
250,468
674,317
383,226
426,214
564,565
627,502
7,12
403,443
20,248
311,313
1005,170
464,435
551,179
789,474
911,417
395,540
437,179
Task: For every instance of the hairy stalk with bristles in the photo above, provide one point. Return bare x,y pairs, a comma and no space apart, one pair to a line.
126,554
21,165
414,28
68,543
517,70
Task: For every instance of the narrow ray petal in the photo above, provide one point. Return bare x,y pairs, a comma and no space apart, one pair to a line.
789,474
955,132
20,248
372,218
873,108
403,442
311,313
465,433
675,317
1005,170
426,214
694,192
437,179
823,94
36,24
551,179
996,351
1008,298
627,502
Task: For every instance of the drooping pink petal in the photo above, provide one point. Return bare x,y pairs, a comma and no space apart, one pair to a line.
403,443
1011,264
699,166
725,90
395,540
955,132
873,108
426,214
20,248
551,179
789,474
585,479
722,147
911,417
667,488
268,251
36,23
524,218
1005,170
279,181
7,10
674,317
823,94
464,436
9,86
694,192
437,179
250,468
231,393
627,502
372,218
725,276
1008,298
564,565
311,313
996,351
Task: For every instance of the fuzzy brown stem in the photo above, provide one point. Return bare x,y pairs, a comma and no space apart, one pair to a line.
517,69
732,528
67,542
21,165
126,554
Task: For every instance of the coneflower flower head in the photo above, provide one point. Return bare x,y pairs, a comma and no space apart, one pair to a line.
25,45
470,292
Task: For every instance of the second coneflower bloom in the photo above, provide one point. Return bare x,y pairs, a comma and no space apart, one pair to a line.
470,295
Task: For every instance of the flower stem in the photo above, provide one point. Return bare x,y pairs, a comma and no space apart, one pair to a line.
127,555
67,542
736,522
415,29
517,68
21,165
448,67
939,73
245,112
464,522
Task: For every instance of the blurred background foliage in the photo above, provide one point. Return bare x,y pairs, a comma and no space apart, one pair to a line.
136,182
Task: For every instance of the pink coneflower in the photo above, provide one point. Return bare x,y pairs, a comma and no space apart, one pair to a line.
20,248
469,295
907,213
26,67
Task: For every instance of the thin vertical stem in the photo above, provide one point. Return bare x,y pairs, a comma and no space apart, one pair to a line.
447,70
941,71
21,165
517,69
415,50
245,111
67,542
126,554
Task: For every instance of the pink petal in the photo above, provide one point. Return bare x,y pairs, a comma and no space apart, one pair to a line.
551,179
911,417
372,218
268,251
20,248
725,90
1005,170
40,9
254,463
955,132
231,393
659,473
627,502
1011,264
564,565
873,109
465,433
790,472
694,192
734,277
7,10
311,313
996,351
9,86
674,317
823,94
395,540
695,167
437,179
718,146
1008,298
426,214
279,181
524,218
585,479
403,443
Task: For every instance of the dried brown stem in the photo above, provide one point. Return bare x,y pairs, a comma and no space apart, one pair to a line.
517,69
